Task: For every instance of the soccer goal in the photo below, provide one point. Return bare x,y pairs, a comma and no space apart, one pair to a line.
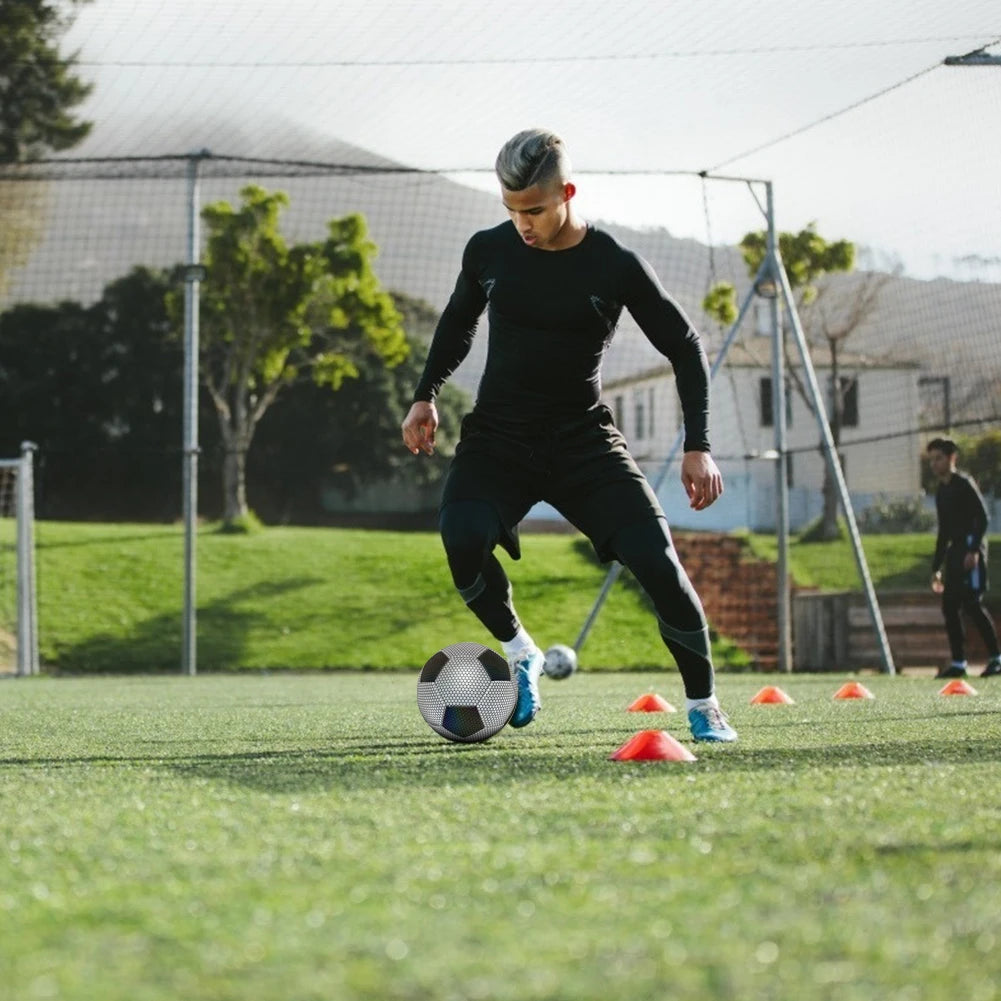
18,605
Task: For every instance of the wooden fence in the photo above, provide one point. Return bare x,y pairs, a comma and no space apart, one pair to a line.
833,631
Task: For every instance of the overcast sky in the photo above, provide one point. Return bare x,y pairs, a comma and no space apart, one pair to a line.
886,146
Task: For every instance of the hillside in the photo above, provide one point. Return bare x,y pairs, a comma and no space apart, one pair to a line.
106,217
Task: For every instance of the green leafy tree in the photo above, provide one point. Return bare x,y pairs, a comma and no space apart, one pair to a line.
38,88
274,314
38,91
830,313
314,443
98,388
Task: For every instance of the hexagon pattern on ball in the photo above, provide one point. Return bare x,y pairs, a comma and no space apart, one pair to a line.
466,692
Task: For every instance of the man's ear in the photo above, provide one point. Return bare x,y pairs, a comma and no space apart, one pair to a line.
569,190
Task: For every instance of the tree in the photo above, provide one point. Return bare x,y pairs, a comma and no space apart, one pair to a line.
829,312
313,442
37,92
273,315
37,85
99,389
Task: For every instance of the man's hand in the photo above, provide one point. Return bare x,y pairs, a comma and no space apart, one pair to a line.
936,582
419,427
970,560
702,479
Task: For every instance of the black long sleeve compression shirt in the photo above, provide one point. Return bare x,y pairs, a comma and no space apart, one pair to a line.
552,315
962,520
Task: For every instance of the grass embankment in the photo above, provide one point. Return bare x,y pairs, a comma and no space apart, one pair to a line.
110,597
308,837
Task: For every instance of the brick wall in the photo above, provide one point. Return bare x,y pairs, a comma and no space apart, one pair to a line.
737,591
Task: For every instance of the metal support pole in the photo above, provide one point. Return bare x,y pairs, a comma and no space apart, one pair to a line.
193,274
784,614
834,464
27,599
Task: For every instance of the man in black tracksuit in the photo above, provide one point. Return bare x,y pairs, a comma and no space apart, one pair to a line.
554,287
959,566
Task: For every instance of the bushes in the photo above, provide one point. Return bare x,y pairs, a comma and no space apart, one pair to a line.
887,517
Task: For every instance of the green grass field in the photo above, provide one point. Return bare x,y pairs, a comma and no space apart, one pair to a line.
110,597
309,837
310,599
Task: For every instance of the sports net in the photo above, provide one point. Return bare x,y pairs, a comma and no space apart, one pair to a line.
913,355
907,344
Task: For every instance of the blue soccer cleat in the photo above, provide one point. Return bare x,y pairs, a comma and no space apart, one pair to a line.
709,724
526,666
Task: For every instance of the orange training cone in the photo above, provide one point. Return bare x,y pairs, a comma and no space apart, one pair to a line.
771,695
853,690
958,687
652,745
651,703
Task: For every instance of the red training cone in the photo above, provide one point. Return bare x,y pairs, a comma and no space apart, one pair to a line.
958,687
853,690
652,745
771,695
651,703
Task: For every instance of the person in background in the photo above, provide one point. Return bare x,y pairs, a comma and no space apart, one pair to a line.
959,566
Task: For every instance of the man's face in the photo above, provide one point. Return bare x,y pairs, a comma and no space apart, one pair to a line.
540,213
940,464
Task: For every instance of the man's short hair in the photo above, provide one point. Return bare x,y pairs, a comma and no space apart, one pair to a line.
944,445
534,156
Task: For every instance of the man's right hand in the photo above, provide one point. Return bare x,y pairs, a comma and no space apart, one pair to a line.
419,427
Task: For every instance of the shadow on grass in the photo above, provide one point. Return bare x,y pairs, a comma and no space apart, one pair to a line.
352,763
45,542
155,644
433,764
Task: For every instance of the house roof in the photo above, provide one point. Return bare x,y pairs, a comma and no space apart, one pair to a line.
756,354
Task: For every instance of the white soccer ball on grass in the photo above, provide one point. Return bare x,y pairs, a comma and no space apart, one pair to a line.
466,692
561,662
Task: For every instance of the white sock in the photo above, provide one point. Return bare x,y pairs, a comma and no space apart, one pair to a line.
518,642
959,663
691,704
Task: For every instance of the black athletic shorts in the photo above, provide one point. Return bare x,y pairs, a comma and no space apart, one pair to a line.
581,467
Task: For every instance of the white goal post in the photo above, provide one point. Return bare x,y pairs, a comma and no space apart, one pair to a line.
18,599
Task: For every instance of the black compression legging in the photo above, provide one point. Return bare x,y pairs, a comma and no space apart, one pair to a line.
956,600
470,531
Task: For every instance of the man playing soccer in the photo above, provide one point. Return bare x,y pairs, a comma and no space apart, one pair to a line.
959,566
554,288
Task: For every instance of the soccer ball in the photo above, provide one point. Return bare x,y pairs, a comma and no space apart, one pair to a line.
561,662
466,692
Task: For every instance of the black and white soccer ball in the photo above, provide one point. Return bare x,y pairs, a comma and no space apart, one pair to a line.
466,692
561,662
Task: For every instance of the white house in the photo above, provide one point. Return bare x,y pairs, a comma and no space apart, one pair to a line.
880,446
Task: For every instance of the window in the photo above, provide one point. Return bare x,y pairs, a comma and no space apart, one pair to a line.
765,403
619,412
639,414
649,412
762,319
